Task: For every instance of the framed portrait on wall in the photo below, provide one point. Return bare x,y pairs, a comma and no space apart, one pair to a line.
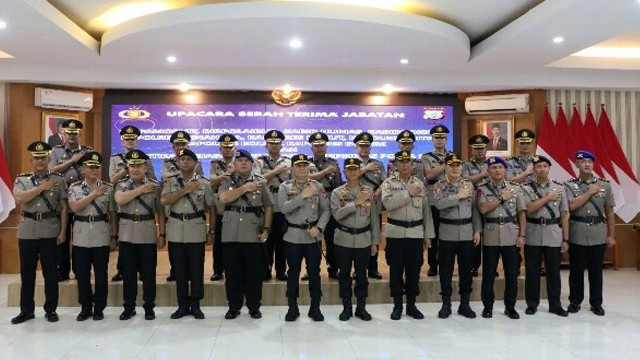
500,134
51,126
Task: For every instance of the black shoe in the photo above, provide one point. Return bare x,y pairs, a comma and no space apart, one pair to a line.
315,314
305,277
62,277
346,314
98,315
532,310
51,316
197,313
171,278
413,311
84,315
149,314
432,272
375,275
292,314
559,311
267,276
474,272
333,275
117,277
180,313
573,308
216,277
396,314
282,276
445,311
232,314
512,313
22,317
255,314
127,314
487,313
363,314
598,310
466,311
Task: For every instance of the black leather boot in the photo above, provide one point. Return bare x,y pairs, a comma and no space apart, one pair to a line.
361,310
396,314
445,310
412,310
293,313
347,312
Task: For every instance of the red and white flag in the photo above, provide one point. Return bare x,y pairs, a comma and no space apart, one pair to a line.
550,144
567,142
7,202
626,178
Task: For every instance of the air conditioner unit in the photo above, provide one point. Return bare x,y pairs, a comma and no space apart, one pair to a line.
65,100
497,104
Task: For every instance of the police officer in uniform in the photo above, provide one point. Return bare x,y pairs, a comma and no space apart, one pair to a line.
326,170
503,206
276,169
64,160
409,231
306,206
43,197
547,235
248,212
94,235
591,229
179,141
357,236
406,142
520,167
219,169
433,162
475,169
118,170
460,227
189,196
138,199
372,174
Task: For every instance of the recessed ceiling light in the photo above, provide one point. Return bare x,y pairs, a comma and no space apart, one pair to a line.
171,59
388,89
558,39
620,53
3,24
295,43
404,61
184,87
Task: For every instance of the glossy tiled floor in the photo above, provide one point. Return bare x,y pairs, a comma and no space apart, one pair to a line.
542,336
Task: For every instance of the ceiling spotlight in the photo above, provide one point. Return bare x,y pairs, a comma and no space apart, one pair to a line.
404,61
388,89
3,25
171,59
295,43
184,87
558,39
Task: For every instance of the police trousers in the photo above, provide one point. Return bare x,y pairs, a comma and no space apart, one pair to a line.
510,266
359,259
244,265
448,252
404,256
30,251
143,258
85,258
312,254
590,258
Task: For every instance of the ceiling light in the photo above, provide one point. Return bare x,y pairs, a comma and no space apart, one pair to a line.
558,39
171,59
388,89
3,25
295,43
621,53
184,87
119,14
404,61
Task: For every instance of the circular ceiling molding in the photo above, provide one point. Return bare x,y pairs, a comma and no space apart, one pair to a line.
257,35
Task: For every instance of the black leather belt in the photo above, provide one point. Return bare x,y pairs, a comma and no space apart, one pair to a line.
455,221
92,218
543,221
501,220
305,226
405,224
243,209
186,216
588,219
39,215
354,231
136,217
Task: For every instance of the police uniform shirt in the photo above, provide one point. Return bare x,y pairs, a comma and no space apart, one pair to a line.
583,233
96,233
432,160
445,195
301,212
217,168
472,167
46,228
505,234
170,165
516,165
61,154
418,168
401,206
118,162
264,164
373,179
244,226
193,230
329,182
346,213
138,232
544,235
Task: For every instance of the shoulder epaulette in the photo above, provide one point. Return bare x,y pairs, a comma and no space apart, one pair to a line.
526,182
168,159
556,182
603,179
572,180
76,183
284,156
513,183
170,176
117,154
123,180
57,146
154,180
24,174
263,157
107,183
509,158
56,173
483,182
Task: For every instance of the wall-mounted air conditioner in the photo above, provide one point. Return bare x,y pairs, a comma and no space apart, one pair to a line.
497,104
64,100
